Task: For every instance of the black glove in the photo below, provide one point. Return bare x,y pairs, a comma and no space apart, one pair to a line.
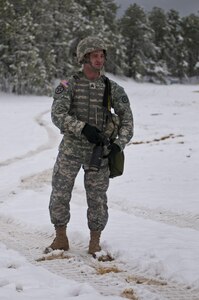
92,134
114,148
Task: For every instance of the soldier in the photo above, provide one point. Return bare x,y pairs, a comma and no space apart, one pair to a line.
78,112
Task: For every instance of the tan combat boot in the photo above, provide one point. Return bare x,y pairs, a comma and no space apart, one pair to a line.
61,241
94,244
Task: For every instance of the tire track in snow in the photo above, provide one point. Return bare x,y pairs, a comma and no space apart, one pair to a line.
84,269
51,143
181,220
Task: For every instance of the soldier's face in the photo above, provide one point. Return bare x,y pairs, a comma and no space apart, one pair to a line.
97,59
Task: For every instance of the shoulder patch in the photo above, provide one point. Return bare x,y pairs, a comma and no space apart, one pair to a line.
59,89
64,83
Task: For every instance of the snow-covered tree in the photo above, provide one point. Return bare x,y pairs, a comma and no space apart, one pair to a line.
7,15
67,24
26,72
177,54
191,39
138,40
159,25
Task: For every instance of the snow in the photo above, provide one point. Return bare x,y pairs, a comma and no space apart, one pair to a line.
153,208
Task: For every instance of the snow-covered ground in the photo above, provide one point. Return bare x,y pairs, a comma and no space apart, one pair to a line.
153,225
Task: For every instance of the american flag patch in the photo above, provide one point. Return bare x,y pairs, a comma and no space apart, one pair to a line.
64,83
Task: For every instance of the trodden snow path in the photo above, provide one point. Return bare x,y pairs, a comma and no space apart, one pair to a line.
114,277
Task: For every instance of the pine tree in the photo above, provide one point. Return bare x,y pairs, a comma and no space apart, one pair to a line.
26,71
176,58
138,41
67,19
42,14
191,39
159,25
7,15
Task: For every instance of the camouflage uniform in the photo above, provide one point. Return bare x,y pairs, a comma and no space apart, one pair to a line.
78,101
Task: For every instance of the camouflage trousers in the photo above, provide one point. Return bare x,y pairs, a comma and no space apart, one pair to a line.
95,183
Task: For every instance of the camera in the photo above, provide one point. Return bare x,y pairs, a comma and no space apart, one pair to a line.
96,158
97,154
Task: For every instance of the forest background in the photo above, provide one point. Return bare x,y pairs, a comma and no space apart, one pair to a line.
38,41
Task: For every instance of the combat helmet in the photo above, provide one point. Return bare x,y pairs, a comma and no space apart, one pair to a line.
87,45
